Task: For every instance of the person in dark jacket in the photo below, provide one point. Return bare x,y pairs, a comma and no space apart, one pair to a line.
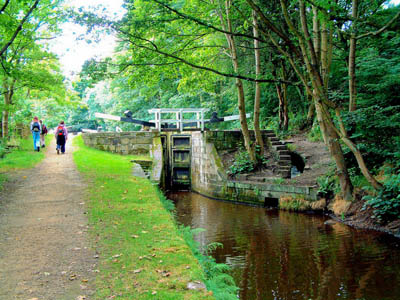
36,128
43,133
61,136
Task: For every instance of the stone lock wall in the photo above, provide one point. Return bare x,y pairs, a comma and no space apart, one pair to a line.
207,171
209,175
135,142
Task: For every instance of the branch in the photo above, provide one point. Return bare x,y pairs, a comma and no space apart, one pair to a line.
203,23
19,28
3,8
155,49
375,33
273,28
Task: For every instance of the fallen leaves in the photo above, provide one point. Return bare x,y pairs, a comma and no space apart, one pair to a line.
137,271
164,273
72,277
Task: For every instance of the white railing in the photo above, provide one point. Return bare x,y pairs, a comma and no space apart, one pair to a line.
179,117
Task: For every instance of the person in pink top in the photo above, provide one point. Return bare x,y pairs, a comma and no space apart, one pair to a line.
61,136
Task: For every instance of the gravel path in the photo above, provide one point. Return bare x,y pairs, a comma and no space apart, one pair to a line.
44,247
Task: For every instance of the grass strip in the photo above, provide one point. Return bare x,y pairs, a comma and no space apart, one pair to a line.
142,253
23,157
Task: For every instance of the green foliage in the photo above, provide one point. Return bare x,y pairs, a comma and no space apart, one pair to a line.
242,163
328,185
315,135
22,157
217,280
386,201
279,181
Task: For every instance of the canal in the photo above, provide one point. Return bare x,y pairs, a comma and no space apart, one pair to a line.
281,255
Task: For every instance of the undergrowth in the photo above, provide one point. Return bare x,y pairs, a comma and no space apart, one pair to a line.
386,201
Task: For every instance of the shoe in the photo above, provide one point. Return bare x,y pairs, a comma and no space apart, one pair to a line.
43,146
58,151
38,149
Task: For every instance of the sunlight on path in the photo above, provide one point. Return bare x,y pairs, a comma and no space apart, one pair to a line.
44,251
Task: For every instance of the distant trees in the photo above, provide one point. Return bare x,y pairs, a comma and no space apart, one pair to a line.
27,68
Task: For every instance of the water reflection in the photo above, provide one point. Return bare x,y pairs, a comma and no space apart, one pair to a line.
281,255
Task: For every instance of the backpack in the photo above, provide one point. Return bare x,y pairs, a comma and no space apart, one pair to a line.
60,131
36,127
44,129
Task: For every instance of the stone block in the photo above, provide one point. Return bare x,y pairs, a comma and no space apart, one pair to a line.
125,141
143,140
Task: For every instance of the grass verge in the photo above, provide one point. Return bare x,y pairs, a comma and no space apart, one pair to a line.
22,157
142,253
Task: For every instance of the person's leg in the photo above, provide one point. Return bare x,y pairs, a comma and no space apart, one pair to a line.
63,148
42,140
36,141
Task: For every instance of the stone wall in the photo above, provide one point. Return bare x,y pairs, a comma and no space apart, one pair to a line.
209,175
134,142
207,171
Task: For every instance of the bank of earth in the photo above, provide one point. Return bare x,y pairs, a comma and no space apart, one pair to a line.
318,165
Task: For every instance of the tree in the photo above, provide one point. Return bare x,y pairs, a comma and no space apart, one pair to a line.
25,64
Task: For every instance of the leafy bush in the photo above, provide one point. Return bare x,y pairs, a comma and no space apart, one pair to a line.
386,203
242,163
328,185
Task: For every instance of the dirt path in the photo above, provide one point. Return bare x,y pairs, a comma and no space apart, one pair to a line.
44,248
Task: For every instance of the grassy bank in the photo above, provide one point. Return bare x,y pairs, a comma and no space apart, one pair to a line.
142,255
22,157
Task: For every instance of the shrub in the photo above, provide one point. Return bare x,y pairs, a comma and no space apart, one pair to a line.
242,163
386,202
328,185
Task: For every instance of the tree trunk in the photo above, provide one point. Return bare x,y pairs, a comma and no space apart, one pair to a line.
239,85
332,142
8,94
284,106
257,95
352,59
310,114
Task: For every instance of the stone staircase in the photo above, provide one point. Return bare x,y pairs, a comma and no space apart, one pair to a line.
281,153
141,168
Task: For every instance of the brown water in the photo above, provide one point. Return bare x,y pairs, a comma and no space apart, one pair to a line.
281,255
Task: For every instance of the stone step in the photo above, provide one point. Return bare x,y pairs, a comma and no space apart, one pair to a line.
274,139
258,179
284,163
277,143
285,169
271,135
284,174
268,131
285,157
279,147
283,152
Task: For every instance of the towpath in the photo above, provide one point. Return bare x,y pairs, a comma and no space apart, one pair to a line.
44,248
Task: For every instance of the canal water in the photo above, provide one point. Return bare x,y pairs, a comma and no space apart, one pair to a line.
281,255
